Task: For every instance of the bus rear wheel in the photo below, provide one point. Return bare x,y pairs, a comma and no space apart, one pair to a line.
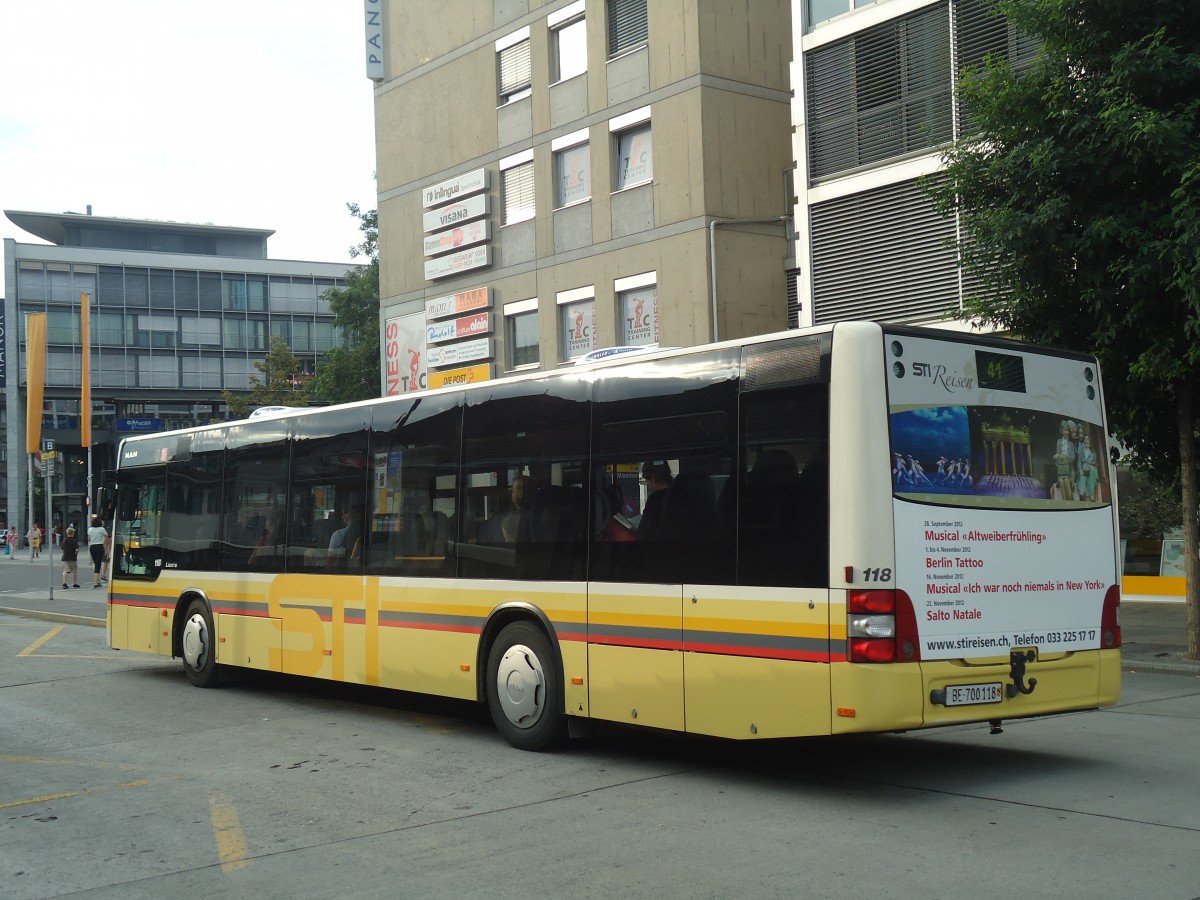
199,646
524,690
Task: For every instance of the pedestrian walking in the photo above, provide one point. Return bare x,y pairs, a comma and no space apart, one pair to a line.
10,542
35,540
97,537
107,557
70,559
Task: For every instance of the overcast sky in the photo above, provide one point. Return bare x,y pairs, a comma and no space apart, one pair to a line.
247,113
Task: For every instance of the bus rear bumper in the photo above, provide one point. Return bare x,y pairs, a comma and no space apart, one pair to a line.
918,695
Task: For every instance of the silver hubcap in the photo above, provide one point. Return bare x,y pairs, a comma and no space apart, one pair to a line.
521,686
195,642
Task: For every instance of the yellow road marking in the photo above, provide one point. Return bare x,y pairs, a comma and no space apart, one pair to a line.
227,827
29,651
96,790
45,637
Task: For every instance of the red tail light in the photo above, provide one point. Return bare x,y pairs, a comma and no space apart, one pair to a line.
1110,619
875,602
872,650
881,627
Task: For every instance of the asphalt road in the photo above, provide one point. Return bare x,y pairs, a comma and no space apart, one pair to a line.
118,779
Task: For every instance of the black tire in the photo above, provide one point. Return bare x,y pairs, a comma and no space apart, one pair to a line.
198,645
524,689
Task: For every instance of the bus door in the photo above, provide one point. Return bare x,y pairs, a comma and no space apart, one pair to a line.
757,635
664,443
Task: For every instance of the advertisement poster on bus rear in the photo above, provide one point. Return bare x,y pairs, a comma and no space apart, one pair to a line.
1002,496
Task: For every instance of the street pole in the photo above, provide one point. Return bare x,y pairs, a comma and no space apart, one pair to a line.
29,508
46,464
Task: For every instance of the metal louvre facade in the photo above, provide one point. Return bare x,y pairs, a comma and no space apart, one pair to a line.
882,254
980,33
628,25
878,109
882,93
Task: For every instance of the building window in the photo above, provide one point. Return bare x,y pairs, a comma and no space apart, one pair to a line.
155,331
108,329
521,333
635,156
577,321
517,189
200,332
157,372
568,42
31,281
186,292
572,169
819,11
233,293
628,25
637,308
881,93
200,372
162,289
245,335
325,337
513,61
62,326
237,373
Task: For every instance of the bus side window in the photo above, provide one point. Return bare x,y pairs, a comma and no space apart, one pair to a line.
664,467
254,510
525,447
413,488
328,492
193,509
783,519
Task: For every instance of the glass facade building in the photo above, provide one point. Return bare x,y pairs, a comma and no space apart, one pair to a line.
178,314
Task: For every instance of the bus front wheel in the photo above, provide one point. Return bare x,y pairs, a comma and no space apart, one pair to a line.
199,646
524,689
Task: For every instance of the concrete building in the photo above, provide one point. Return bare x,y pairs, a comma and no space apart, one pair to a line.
559,177
179,314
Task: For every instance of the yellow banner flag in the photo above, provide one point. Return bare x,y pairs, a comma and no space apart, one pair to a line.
85,397
35,356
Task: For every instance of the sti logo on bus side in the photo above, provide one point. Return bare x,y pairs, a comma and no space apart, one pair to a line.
951,381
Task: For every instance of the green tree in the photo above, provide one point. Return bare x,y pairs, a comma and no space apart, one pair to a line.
280,384
351,371
1079,199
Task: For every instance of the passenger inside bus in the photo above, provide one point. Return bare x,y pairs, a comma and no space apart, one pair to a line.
346,542
657,478
520,495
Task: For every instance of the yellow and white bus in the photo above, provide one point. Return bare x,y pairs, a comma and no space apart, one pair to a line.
854,528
